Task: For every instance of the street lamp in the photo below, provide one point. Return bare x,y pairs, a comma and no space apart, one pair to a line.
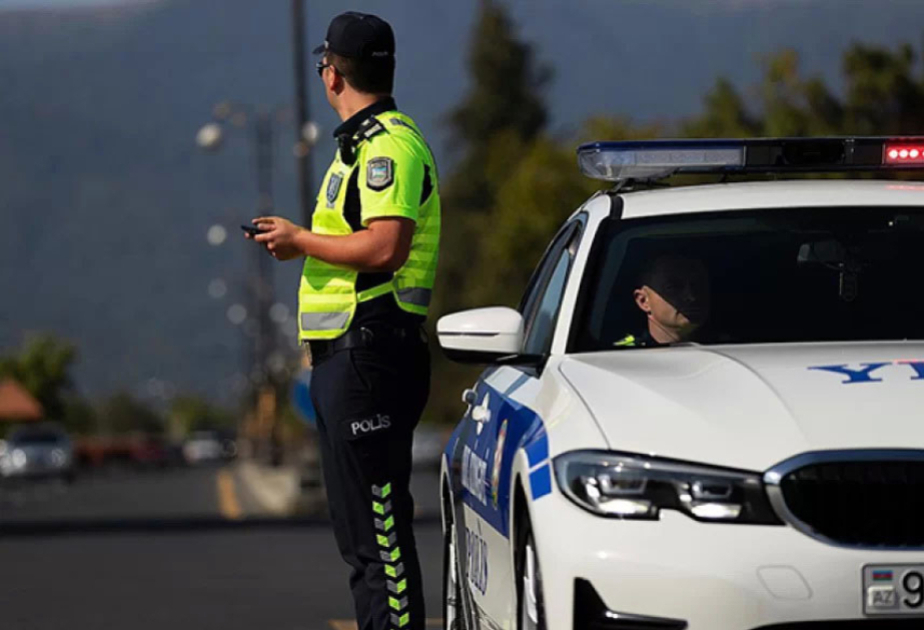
210,137
311,132
260,124
216,235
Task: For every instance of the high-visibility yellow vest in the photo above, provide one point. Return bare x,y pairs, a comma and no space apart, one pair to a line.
396,177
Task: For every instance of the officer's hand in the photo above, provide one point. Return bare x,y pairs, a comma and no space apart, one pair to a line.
278,235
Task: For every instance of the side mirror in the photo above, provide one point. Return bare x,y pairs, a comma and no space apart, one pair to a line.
482,335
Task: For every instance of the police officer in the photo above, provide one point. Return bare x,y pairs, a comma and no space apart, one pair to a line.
674,296
370,263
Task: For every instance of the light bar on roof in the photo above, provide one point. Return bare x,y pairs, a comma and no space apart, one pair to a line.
904,153
638,161
655,159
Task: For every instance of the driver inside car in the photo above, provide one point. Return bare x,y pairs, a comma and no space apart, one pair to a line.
673,293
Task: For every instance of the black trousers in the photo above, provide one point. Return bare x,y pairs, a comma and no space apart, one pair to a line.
368,401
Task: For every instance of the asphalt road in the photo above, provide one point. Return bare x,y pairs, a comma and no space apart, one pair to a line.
154,550
116,494
122,495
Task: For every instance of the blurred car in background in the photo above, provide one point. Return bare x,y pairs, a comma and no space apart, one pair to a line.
37,451
138,450
151,451
207,446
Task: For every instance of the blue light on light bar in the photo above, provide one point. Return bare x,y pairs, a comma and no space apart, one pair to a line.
615,161
654,159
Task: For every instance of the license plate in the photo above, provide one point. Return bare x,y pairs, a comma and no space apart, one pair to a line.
893,589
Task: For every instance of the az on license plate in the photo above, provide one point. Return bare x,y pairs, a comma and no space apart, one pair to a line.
893,589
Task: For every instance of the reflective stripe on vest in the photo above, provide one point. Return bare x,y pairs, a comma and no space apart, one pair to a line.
327,293
324,321
418,297
337,320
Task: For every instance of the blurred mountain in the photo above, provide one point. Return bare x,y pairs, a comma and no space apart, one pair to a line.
105,200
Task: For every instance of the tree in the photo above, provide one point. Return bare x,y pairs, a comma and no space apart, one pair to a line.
882,97
725,115
190,413
43,368
883,94
503,107
491,129
122,413
79,416
539,193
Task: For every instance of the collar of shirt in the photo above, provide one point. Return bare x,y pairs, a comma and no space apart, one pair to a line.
346,132
350,126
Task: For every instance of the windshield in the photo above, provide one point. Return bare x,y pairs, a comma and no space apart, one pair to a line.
36,436
793,275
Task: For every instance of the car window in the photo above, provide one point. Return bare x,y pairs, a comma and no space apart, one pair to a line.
766,276
538,280
549,290
37,435
539,338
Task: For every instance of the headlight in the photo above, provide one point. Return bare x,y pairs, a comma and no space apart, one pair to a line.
627,486
18,457
58,457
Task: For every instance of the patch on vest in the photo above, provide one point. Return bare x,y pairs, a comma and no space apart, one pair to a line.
380,173
333,188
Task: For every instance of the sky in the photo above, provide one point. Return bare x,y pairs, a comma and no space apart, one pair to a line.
32,4
19,4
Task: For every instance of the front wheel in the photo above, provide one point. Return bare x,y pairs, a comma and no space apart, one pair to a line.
531,611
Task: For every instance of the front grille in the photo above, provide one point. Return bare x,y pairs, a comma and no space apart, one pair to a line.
859,503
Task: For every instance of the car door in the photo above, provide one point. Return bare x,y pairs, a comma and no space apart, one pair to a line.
499,422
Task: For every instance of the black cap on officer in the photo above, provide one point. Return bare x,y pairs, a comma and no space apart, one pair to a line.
359,36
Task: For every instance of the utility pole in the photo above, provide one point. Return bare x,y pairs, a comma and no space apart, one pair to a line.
302,146
260,122
263,287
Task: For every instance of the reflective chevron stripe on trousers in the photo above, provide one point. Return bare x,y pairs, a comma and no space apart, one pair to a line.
368,402
390,553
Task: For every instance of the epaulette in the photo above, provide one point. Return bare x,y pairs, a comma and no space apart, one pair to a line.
370,128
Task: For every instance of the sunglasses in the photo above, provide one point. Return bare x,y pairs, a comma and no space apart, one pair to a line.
319,66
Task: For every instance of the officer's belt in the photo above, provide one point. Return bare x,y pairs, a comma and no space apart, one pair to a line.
374,336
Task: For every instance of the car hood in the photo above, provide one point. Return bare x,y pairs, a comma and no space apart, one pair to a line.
753,406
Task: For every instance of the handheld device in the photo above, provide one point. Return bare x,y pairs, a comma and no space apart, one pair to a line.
251,229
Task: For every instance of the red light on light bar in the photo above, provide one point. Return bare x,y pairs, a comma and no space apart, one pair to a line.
904,154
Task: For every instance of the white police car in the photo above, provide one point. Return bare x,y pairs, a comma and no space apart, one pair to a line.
767,471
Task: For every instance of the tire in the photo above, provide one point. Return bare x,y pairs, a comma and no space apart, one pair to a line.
453,610
530,603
